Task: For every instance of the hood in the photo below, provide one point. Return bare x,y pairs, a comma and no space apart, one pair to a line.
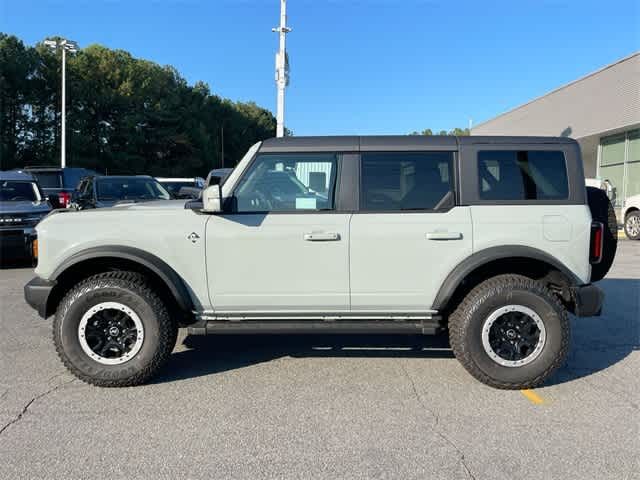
25,207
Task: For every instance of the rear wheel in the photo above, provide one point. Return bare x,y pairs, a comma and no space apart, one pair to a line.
112,330
510,332
632,225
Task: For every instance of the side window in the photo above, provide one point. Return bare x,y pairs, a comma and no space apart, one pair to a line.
522,175
288,182
405,181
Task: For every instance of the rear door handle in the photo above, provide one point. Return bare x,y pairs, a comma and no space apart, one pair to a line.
322,237
444,236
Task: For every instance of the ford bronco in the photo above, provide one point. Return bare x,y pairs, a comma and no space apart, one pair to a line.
493,239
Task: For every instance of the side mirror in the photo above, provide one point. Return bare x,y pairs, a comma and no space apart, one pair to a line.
212,199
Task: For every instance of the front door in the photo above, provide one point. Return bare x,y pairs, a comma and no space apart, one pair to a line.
283,248
408,233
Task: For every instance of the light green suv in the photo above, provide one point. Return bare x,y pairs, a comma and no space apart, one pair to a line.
490,238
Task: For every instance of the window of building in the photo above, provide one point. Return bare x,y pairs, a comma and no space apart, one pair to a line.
620,165
522,175
288,182
633,164
405,181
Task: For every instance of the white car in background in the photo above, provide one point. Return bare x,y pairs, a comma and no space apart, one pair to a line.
631,217
183,187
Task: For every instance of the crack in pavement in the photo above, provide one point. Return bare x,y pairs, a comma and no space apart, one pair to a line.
31,402
436,422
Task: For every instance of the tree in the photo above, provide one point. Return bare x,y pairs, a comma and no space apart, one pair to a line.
460,132
124,114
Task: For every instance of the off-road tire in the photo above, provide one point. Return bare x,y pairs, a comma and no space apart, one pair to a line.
130,289
467,321
602,211
634,214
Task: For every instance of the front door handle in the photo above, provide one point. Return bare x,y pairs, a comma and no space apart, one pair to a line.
322,237
444,236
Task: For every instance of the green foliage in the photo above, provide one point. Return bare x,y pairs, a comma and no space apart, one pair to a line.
124,115
459,132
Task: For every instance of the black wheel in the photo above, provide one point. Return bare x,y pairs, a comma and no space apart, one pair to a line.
602,211
632,225
112,330
510,332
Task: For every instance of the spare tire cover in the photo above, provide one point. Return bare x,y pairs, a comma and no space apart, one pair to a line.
602,211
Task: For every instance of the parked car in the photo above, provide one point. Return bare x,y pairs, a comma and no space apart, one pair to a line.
631,217
99,191
183,187
22,206
492,239
58,183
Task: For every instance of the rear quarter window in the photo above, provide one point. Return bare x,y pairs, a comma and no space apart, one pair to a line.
522,175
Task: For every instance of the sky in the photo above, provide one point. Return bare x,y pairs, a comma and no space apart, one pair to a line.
357,66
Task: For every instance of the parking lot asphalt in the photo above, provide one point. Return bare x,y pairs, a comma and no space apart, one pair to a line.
325,407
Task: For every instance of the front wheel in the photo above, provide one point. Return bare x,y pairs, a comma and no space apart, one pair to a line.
632,225
510,332
112,330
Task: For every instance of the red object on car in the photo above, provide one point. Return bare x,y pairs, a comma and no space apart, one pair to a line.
64,198
595,251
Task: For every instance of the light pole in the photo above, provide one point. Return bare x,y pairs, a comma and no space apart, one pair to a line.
71,47
282,67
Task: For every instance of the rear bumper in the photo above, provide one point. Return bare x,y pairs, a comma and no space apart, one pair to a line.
36,294
588,300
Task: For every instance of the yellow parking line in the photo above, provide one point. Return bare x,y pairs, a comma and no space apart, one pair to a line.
532,396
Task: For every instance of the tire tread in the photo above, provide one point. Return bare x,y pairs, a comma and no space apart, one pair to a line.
138,284
462,315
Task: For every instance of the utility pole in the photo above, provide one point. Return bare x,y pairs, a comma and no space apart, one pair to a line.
282,67
71,46
63,143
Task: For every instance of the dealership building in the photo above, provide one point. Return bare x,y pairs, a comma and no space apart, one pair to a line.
601,111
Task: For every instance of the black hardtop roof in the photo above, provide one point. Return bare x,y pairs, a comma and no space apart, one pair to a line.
396,142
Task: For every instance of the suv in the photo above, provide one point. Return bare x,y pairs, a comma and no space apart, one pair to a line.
58,183
490,238
22,206
107,191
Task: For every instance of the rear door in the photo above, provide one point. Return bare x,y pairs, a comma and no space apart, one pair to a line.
408,233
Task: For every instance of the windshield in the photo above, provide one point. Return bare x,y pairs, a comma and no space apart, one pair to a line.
16,191
48,179
110,189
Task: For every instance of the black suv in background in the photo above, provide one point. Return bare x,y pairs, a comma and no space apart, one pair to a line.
99,191
58,183
22,206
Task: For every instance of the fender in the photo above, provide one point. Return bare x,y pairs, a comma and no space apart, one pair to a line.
478,259
167,274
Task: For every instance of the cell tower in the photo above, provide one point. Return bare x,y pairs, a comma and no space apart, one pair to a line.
282,67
